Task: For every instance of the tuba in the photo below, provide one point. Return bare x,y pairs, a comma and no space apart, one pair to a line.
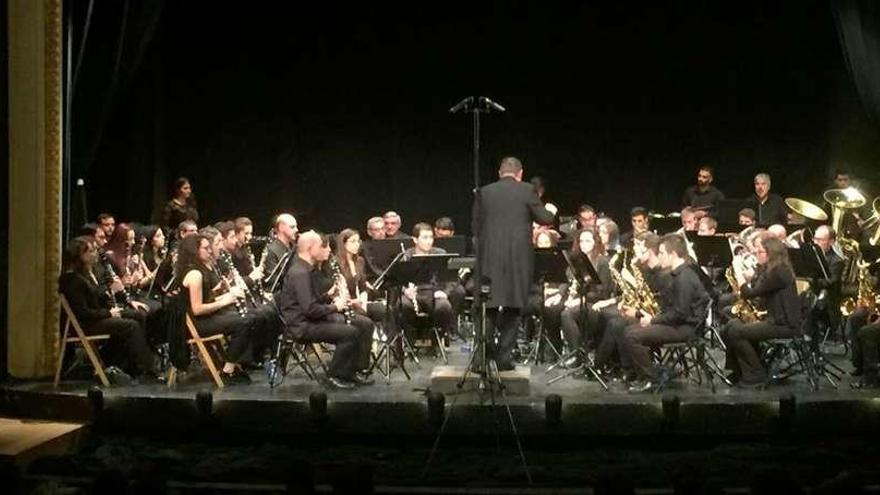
866,297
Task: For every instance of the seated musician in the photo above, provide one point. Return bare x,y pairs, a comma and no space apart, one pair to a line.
215,306
580,320
268,325
354,269
286,232
426,299
94,307
393,223
638,218
609,232
585,219
312,314
444,227
154,252
774,282
863,330
127,263
646,257
768,207
827,309
684,306
242,255
707,226
689,220
746,217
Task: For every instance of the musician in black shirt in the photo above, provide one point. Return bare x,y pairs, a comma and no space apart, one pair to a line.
311,315
215,306
684,306
769,207
775,284
94,307
181,206
703,195
282,246
426,299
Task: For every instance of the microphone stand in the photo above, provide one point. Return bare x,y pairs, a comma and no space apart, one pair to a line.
486,368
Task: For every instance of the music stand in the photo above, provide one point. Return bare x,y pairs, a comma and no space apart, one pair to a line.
712,251
389,281
665,225
452,244
549,268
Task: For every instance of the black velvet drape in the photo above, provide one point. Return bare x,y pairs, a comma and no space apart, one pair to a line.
858,26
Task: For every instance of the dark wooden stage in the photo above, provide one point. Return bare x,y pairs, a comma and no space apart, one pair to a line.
401,407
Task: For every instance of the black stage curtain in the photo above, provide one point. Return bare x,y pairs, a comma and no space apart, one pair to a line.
858,26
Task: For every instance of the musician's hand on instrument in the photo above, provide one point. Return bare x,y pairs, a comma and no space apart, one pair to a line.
333,291
357,304
226,299
257,274
340,304
116,312
600,305
553,300
439,294
551,208
572,302
645,321
236,292
139,306
116,285
628,312
410,291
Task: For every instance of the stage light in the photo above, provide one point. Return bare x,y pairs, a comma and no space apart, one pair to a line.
553,409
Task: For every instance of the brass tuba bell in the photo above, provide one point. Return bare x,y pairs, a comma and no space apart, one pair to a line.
842,200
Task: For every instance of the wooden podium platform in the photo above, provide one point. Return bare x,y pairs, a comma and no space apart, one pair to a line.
23,440
445,379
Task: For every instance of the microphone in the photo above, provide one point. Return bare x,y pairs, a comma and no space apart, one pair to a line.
462,104
491,104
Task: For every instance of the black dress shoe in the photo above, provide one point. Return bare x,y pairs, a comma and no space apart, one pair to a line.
360,378
235,378
341,383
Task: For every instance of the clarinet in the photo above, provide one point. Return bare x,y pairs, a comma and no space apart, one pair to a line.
110,275
256,293
241,305
343,288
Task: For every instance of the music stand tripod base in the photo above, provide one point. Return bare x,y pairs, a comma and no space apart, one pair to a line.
445,379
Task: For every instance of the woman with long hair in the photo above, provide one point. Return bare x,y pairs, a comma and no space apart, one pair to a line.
211,304
95,309
580,322
354,269
181,206
125,255
774,283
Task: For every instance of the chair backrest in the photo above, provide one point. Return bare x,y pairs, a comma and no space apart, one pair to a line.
69,317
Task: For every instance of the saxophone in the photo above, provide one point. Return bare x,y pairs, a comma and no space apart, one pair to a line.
865,298
342,285
647,303
628,295
743,309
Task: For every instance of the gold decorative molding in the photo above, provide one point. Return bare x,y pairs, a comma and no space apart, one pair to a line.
54,140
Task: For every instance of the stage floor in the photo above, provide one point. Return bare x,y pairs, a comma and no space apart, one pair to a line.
400,407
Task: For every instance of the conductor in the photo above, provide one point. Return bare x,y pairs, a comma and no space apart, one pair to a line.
506,210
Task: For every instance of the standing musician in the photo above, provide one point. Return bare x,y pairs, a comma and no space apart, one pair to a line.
506,210
354,269
93,306
684,307
181,206
280,247
769,207
426,299
212,304
703,195
774,282
311,315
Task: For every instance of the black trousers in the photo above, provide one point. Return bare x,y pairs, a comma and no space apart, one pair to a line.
352,342
503,324
128,335
855,322
581,326
240,331
611,346
869,339
439,309
743,353
638,342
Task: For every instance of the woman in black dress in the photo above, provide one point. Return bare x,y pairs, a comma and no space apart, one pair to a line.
181,206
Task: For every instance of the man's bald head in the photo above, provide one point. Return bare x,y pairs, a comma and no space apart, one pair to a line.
778,231
286,228
307,241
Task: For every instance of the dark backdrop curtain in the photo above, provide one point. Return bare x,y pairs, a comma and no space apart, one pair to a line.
114,49
858,26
